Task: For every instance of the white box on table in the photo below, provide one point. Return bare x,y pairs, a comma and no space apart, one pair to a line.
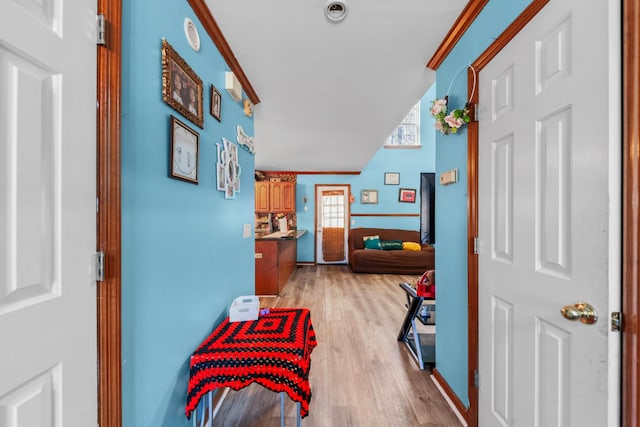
243,308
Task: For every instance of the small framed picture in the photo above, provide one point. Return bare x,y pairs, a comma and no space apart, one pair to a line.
181,86
216,103
184,152
408,195
391,178
369,197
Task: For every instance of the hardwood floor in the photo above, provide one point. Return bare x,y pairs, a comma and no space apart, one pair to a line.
360,375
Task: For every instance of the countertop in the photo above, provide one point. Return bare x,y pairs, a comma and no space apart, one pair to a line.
289,235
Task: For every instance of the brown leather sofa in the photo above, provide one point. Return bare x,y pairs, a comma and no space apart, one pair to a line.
363,260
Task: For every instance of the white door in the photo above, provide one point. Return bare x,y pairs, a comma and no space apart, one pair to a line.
332,223
47,213
548,228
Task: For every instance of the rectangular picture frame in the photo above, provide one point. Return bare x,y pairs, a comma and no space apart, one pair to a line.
391,178
369,197
407,195
215,107
184,151
181,86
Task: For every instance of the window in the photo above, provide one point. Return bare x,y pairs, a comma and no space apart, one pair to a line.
407,134
332,209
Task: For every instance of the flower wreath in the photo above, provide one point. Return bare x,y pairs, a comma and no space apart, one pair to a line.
450,121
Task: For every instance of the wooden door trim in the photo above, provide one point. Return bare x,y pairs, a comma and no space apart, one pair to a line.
109,58
507,35
630,212
463,22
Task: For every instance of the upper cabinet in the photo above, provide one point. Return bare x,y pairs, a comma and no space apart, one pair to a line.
262,196
289,197
277,196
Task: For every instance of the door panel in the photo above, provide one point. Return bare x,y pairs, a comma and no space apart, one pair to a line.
47,213
543,224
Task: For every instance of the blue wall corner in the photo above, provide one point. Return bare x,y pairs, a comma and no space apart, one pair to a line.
183,255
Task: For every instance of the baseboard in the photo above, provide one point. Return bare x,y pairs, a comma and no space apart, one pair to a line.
301,263
451,398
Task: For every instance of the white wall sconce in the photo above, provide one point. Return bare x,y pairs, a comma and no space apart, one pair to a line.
233,86
191,32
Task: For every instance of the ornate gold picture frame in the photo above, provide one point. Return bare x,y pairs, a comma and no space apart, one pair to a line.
181,86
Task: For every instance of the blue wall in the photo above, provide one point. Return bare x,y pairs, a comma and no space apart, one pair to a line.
408,162
451,200
183,255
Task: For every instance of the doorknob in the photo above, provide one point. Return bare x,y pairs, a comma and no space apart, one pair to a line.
580,311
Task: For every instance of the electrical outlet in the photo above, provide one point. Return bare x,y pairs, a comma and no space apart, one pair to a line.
449,177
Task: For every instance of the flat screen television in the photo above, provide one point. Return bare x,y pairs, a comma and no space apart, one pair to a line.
428,207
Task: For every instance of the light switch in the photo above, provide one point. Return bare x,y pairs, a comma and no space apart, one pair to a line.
246,231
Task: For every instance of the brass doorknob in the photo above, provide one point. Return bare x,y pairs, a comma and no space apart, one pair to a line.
581,311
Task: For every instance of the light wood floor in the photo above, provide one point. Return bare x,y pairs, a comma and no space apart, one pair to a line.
360,375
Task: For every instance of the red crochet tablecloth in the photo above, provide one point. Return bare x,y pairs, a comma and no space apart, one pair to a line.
274,351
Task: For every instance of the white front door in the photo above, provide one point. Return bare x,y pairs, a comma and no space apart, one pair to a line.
549,205
332,223
47,213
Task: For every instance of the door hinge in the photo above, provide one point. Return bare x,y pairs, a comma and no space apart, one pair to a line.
616,321
476,244
475,112
101,29
99,260
476,379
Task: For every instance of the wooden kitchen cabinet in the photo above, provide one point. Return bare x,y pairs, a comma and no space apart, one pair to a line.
262,196
275,262
289,197
277,197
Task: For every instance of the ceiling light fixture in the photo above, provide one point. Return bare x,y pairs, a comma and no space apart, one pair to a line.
335,11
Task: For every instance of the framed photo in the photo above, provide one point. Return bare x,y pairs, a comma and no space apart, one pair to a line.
184,152
216,103
369,197
181,86
391,178
408,195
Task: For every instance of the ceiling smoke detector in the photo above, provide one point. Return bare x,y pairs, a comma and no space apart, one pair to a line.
335,11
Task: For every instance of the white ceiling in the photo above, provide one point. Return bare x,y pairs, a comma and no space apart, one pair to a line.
331,93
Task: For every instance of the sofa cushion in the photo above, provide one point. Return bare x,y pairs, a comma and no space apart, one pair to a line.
391,245
411,246
371,242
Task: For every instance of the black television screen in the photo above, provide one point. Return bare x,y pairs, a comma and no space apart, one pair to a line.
428,207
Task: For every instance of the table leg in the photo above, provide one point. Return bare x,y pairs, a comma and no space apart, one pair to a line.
299,423
281,409
416,340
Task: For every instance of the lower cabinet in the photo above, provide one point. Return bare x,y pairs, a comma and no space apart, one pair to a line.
275,261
